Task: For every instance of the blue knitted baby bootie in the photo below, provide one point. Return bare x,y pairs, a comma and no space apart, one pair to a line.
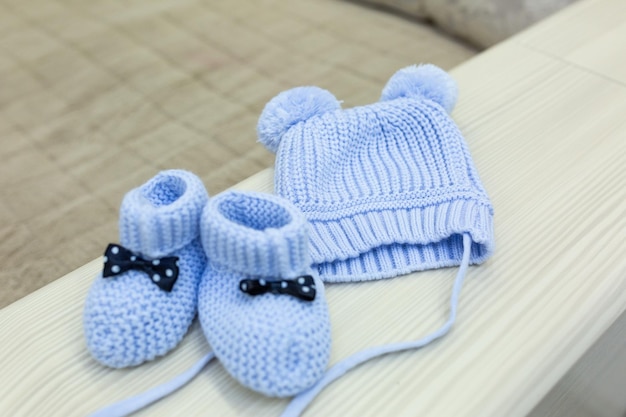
143,302
261,306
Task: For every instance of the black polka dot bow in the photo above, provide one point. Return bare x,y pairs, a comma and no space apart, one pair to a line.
302,287
163,272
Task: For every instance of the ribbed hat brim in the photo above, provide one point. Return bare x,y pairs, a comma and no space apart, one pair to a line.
385,243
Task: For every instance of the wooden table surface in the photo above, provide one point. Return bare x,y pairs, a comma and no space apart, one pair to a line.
544,116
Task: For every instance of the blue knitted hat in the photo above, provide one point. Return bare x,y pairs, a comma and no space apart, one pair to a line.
388,188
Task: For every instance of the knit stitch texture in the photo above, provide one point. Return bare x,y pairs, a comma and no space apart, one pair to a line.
388,188
275,344
127,318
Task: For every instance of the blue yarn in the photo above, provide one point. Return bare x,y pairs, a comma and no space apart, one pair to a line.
388,188
137,402
127,319
275,344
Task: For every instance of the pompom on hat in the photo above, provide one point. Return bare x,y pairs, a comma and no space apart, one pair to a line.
290,108
388,188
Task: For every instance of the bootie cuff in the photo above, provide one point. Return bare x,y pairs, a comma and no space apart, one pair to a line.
255,234
162,215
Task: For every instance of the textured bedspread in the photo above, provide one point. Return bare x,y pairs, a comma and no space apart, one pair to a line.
96,97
